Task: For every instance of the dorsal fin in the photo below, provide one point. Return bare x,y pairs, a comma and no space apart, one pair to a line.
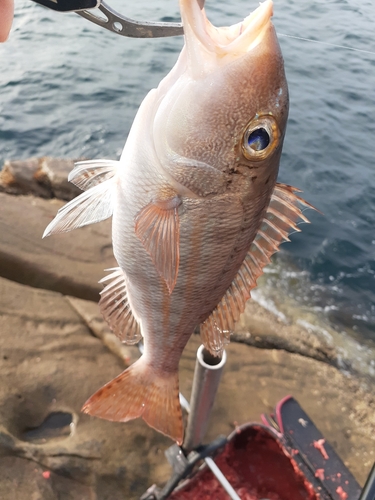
158,228
116,310
280,220
87,174
95,205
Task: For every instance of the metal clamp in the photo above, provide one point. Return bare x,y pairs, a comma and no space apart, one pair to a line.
125,26
112,20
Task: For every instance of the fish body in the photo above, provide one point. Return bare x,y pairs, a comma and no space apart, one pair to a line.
196,209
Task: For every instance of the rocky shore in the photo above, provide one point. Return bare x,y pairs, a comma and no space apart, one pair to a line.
56,350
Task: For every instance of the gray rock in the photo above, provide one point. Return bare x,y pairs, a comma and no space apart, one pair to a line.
260,328
34,482
70,263
57,171
294,329
90,314
50,363
45,177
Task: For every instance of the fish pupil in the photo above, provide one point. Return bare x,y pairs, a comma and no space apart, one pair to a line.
259,139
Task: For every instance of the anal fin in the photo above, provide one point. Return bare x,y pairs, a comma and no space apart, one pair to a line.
158,228
116,310
140,392
281,218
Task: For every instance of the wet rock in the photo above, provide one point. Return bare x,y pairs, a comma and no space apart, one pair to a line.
46,177
70,263
261,328
284,325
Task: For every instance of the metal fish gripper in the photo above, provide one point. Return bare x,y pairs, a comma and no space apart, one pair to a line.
113,21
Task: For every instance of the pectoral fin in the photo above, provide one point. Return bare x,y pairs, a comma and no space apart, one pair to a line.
280,220
87,174
94,205
116,309
158,228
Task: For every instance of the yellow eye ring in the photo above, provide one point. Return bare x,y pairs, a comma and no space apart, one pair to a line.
261,137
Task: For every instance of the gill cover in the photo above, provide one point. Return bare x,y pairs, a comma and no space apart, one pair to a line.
229,104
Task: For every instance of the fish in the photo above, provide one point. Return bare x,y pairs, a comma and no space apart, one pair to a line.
196,208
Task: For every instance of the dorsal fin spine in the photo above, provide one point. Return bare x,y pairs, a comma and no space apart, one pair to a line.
284,219
221,318
238,296
216,329
274,246
253,260
247,271
263,254
278,230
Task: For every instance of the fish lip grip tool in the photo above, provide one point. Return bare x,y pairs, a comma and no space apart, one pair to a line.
113,21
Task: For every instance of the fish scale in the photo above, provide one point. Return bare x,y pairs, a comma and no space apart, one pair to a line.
197,212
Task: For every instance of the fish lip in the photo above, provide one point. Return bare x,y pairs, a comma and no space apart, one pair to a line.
238,38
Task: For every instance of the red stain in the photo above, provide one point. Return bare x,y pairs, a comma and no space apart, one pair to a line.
319,445
319,473
257,467
342,493
46,474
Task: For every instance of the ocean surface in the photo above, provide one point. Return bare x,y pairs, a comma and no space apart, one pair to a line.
70,89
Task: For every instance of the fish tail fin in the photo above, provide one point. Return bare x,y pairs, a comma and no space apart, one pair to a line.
139,392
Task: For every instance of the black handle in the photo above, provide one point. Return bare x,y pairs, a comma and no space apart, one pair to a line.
69,5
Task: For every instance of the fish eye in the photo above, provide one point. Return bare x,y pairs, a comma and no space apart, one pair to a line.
260,138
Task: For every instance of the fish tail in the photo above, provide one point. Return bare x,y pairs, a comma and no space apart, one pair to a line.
140,392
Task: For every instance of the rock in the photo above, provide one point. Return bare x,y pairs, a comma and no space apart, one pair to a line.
45,177
289,327
57,171
24,177
70,263
34,482
51,363
90,314
261,328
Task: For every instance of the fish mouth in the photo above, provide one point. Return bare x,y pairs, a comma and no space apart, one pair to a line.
235,40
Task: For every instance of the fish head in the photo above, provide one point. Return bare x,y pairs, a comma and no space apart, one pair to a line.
225,104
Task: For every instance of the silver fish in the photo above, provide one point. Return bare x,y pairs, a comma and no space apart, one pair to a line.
197,212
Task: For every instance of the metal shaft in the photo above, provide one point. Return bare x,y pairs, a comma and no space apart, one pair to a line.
207,374
368,492
222,479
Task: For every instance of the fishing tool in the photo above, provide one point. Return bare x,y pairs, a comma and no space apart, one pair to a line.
286,452
112,20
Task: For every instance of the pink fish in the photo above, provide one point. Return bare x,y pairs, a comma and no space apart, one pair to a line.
197,212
